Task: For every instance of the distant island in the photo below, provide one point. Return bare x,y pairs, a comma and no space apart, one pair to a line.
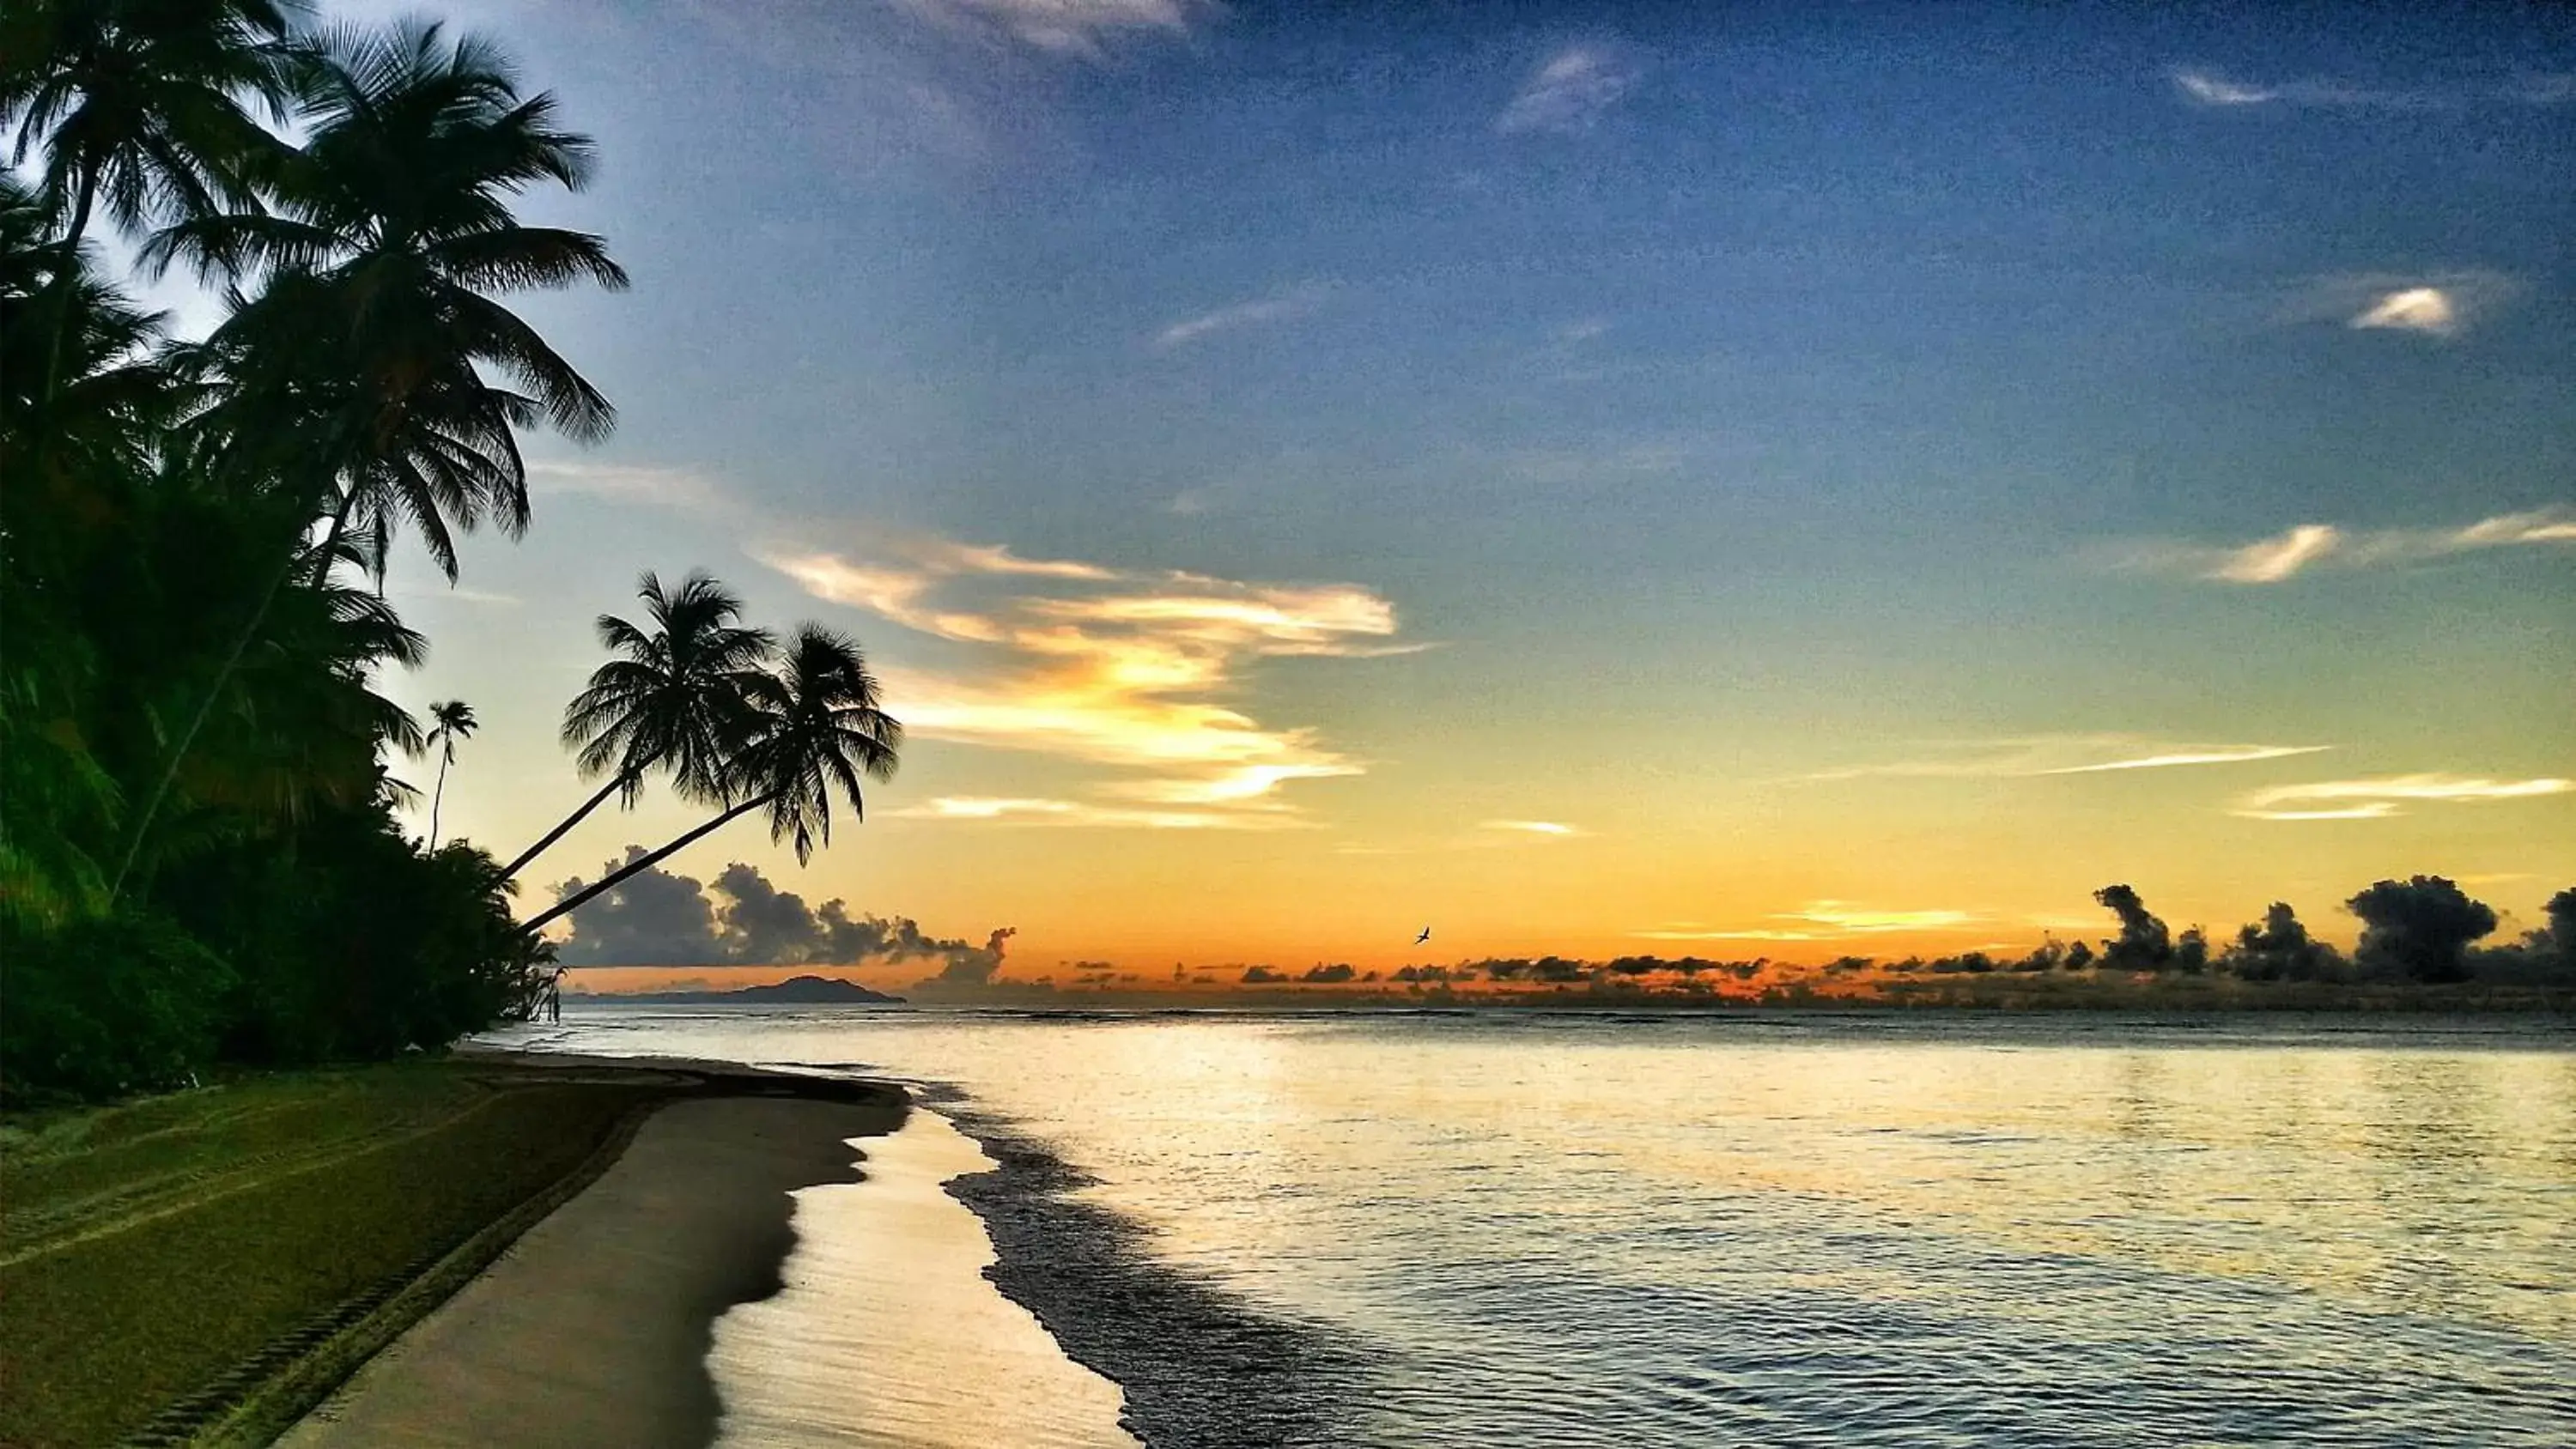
795,991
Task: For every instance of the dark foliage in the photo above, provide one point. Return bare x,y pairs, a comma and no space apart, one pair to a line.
2419,928
198,854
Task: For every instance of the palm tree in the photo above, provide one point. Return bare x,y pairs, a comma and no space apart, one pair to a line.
818,726
356,374
139,103
677,699
454,721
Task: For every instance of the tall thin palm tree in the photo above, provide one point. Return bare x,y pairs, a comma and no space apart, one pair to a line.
356,374
676,699
143,105
819,727
452,721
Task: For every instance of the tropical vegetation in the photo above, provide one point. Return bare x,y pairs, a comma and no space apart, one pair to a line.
202,855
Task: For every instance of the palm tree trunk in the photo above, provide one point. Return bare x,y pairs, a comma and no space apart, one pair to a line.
616,782
65,278
141,827
436,797
582,896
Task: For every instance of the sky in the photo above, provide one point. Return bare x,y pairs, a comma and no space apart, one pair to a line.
1722,480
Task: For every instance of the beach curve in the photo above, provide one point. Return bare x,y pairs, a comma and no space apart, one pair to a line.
593,1328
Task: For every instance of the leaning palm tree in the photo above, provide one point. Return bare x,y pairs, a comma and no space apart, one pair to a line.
356,376
141,104
676,699
818,726
452,721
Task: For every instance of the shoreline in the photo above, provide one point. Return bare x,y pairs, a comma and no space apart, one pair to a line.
593,1326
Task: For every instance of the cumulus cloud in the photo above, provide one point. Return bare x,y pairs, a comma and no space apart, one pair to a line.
2310,546
657,917
2035,756
1277,307
2380,798
1115,668
1083,28
2206,87
1570,92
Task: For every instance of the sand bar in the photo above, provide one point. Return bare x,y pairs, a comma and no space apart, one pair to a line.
593,1329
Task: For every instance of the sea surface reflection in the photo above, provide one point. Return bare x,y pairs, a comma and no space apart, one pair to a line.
1577,1229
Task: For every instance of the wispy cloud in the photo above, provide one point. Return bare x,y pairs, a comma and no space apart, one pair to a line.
1546,829
1570,92
1826,920
1295,302
2203,86
2270,560
1126,669
2378,799
2034,756
1044,811
674,488
461,594
2307,546
1084,28
2439,304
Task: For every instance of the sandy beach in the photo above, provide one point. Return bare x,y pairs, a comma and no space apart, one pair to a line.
593,1328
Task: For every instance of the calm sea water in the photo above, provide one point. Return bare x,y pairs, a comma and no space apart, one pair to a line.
1592,1230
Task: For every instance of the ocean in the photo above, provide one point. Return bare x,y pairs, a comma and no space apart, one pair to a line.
1590,1229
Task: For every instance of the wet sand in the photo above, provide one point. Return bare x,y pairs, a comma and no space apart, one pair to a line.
593,1329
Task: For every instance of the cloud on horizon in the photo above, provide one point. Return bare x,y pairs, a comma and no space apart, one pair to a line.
2038,756
1569,93
2385,796
1109,667
1824,920
657,917
2307,546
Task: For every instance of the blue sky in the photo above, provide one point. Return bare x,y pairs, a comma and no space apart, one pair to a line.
1615,414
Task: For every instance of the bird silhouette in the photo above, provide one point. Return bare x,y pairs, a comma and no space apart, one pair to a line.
1425,936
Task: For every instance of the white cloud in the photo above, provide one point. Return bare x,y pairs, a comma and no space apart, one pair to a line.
1082,28
2208,88
1124,669
2034,756
2378,799
2212,755
674,488
2296,550
2270,560
1549,829
2413,309
1042,811
2211,90
1569,93
1278,307
1826,920
2439,304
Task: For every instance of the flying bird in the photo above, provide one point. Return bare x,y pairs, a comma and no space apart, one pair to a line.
1425,936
